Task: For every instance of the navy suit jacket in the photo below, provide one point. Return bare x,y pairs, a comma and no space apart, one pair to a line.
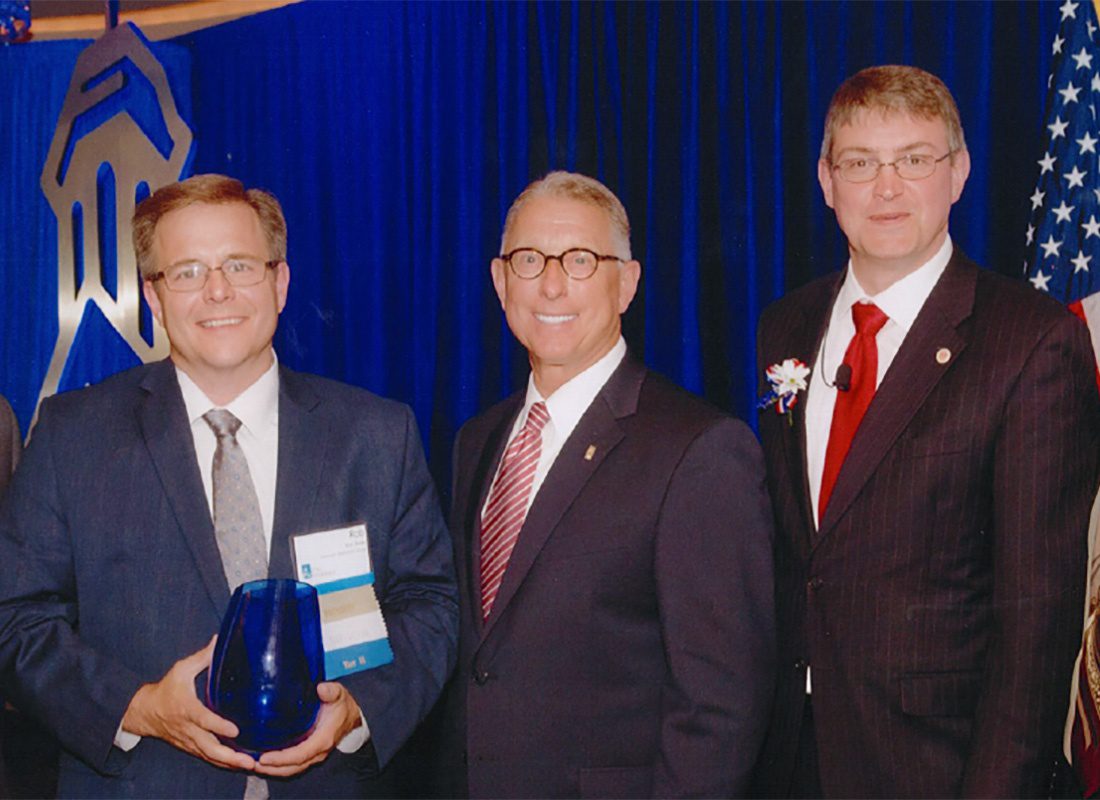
630,650
11,443
939,605
112,572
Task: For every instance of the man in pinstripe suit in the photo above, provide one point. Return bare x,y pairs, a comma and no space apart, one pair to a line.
931,488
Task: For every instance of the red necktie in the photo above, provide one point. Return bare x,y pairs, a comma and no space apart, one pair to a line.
862,357
507,506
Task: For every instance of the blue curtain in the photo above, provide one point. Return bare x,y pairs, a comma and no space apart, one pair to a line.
396,135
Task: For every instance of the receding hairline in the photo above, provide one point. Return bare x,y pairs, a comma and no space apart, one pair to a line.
580,189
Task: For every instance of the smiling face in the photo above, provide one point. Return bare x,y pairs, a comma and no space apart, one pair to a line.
893,225
566,325
219,335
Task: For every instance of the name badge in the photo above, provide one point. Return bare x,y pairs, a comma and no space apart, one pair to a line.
353,631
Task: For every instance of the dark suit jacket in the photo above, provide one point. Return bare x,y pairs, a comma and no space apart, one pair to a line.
939,605
631,648
112,572
11,443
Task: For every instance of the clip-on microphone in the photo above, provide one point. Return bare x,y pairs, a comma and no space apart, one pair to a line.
843,379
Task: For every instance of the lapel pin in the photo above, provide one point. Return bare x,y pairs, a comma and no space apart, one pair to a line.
943,355
591,451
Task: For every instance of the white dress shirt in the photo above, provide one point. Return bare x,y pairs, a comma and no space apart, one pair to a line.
566,406
257,407
901,302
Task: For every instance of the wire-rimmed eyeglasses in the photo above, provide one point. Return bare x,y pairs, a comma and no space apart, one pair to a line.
910,167
190,276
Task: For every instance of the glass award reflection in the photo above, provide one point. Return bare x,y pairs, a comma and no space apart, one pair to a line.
267,664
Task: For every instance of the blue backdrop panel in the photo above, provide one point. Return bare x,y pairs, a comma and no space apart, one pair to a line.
35,78
396,135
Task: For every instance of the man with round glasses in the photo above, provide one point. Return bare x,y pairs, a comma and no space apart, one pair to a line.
127,520
931,488
612,539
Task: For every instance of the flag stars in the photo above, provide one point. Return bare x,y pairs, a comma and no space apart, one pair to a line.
1069,10
1087,143
1057,128
1050,247
1090,27
1040,281
1083,58
1037,199
1092,227
1063,211
1069,94
1075,177
1096,81
1047,163
1030,234
1081,263
1056,48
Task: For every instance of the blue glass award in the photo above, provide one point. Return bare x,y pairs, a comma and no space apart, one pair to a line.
267,664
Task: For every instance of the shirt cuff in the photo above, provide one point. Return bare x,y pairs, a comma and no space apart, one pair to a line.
354,740
124,740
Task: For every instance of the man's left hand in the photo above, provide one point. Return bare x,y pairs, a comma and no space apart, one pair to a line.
339,716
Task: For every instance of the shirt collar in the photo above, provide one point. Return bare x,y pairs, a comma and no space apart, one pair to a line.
255,407
903,300
570,400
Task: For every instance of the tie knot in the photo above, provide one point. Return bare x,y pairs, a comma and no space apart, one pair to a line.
868,318
537,417
222,422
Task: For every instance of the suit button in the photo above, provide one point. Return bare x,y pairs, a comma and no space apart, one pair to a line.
800,664
481,677
814,584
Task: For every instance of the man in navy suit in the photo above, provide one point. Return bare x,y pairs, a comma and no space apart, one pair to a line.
614,567
931,489
114,582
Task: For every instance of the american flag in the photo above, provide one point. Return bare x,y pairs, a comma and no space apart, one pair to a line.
1063,260
1063,236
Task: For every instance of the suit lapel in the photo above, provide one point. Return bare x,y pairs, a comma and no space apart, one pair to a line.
806,336
599,428
912,376
302,445
164,426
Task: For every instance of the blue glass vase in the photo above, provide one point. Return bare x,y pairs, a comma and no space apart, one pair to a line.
267,664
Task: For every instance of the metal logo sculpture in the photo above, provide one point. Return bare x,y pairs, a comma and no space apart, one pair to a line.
119,137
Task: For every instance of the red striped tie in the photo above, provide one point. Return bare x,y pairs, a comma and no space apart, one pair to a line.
507,506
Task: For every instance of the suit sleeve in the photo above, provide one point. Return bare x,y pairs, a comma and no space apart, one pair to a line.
715,591
77,691
11,443
1044,481
420,606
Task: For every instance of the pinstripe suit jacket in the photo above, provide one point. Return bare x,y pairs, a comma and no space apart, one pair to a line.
939,604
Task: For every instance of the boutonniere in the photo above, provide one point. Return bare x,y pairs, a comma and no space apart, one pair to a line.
785,380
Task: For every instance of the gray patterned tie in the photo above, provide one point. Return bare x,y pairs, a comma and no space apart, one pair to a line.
238,526
237,523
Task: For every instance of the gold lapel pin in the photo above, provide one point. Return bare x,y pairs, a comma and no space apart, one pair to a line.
590,452
943,355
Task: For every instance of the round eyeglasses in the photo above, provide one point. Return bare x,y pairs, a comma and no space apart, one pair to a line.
911,167
578,263
190,276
